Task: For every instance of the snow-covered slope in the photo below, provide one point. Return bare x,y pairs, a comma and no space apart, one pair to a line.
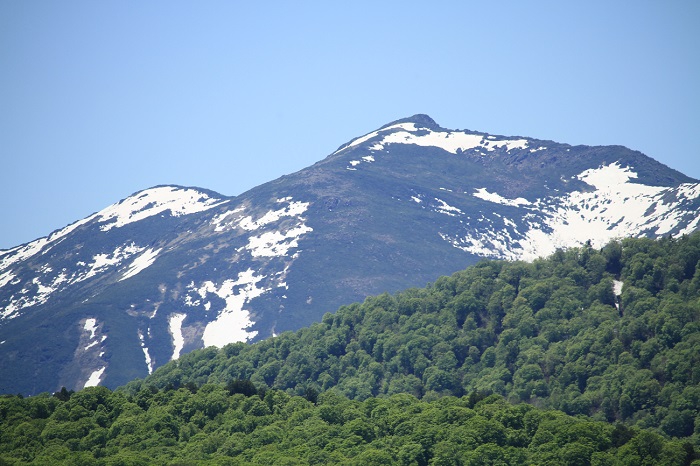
169,269
614,208
45,278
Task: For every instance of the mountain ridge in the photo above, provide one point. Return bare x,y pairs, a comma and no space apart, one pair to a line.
170,269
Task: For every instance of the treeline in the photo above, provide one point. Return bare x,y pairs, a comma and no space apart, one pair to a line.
240,424
551,333
502,363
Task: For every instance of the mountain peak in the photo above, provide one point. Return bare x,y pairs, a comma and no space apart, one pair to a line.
421,130
170,269
419,119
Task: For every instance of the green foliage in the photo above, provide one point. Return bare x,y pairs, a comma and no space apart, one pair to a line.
213,426
502,363
551,333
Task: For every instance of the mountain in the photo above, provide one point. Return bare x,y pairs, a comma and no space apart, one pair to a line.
474,369
610,334
170,269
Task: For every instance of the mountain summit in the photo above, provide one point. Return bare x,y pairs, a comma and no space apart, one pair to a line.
170,269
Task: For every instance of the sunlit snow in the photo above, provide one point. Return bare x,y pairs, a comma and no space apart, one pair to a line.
91,338
90,326
179,201
220,223
608,177
275,243
20,253
95,378
33,293
233,321
445,208
175,327
616,208
101,262
482,193
294,209
450,141
141,263
39,289
228,220
367,137
617,290
6,278
147,356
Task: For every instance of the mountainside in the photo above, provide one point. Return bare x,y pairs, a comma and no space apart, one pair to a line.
611,337
613,334
170,269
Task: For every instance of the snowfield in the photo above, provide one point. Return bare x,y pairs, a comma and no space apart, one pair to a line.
616,208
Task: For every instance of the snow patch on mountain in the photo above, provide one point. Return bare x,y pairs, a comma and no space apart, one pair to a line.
91,334
365,159
233,321
40,285
294,209
220,223
33,293
23,252
482,193
90,326
276,243
5,278
141,263
609,177
95,378
373,134
102,262
228,220
616,208
689,191
273,243
89,351
692,226
179,201
147,356
444,208
175,328
450,141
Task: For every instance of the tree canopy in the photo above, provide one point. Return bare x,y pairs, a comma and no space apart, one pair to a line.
214,425
613,334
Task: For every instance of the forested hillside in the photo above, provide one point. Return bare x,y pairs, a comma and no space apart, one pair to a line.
552,333
586,357
215,425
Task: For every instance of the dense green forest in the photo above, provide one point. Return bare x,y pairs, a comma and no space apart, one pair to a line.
586,357
551,333
218,425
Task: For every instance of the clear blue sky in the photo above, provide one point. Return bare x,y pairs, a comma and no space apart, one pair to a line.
99,99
